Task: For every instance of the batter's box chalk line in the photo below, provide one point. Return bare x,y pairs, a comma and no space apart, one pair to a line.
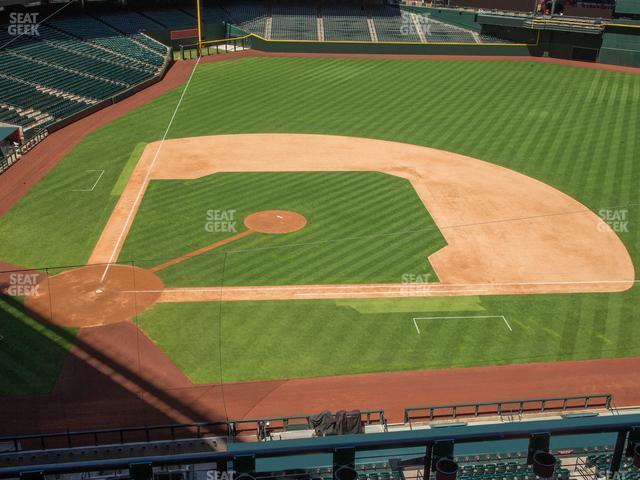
504,319
94,184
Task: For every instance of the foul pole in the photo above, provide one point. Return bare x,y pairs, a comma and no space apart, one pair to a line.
199,28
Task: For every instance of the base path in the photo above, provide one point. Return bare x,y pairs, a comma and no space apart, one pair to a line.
506,233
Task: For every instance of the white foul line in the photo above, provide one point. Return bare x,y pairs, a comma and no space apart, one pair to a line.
416,324
147,175
94,185
470,316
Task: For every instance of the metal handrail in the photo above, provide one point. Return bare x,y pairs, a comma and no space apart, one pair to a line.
172,432
522,406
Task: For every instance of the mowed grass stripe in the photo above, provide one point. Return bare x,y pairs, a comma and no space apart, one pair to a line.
554,123
373,227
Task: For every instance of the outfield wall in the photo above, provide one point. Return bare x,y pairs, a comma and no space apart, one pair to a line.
394,48
618,45
391,48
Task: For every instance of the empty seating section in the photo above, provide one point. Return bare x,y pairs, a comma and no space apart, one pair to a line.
151,44
93,66
251,17
57,78
9,114
436,31
601,463
342,22
505,471
98,33
62,41
129,22
378,471
393,25
209,13
132,23
171,18
212,14
75,62
486,38
345,23
294,21
81,59
28,99
384,471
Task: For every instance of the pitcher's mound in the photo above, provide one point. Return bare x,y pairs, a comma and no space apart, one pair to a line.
78,298
275,221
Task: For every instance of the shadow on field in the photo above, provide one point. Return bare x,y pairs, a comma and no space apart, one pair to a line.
108,377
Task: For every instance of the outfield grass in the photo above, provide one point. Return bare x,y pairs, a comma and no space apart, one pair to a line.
581,138
575,129
287,339
361,227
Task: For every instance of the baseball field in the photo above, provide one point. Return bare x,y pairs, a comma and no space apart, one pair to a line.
281,218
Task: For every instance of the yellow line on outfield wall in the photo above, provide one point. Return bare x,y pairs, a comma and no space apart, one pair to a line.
580,23
621,25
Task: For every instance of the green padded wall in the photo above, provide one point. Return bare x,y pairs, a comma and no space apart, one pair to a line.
628,7
620,48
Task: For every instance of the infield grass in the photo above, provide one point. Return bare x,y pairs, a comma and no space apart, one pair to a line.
362,227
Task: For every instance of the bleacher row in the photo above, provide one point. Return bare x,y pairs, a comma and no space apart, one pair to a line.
74,62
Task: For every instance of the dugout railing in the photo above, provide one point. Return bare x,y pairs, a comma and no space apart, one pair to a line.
268,427
508,408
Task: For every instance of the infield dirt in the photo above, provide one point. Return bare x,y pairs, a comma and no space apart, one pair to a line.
506,233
